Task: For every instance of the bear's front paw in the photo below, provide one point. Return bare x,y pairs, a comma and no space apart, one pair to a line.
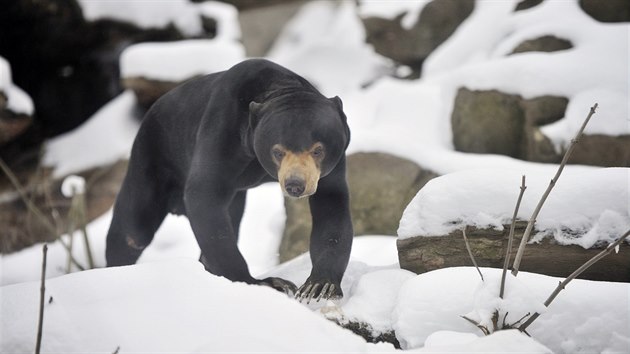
318,290
280,284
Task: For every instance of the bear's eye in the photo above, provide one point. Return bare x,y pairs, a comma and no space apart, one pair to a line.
318,152
277,154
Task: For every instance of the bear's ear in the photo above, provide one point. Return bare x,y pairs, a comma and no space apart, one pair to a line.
254,112
337,101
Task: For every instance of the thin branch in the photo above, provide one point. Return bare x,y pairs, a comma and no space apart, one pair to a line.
532,220
42,293
18,186
574,275
482,328
35,210
472,258
519,320
506,262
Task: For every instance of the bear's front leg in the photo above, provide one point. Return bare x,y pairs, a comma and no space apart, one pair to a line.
331,237
207,204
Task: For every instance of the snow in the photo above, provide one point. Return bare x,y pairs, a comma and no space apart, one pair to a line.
578,321
476,56
146,14
181,60
324,43
103,139
17,100
226,15
392,9
592,206
72,185
105,309
168,303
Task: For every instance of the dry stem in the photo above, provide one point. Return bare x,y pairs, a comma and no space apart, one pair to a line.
472,258
511,237
532,220
35,210
574,275
42,293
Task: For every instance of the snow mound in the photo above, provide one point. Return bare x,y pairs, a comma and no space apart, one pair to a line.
182,13
181,60
17,100
101,310
434,301
510,341
476,57
104,138
325,43
583,208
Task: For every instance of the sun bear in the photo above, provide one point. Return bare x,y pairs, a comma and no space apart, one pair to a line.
202,145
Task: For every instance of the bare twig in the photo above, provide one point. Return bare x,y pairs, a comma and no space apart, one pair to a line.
506,262
575,274
482,328
472,258
513,325
532,220
42,293
18,186
35,210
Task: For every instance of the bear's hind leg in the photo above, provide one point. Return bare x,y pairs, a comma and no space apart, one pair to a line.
138,213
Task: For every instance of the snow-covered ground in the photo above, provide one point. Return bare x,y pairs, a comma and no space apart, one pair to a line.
168,303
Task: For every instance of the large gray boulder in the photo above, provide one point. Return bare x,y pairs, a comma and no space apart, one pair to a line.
381,186
436,22
493,122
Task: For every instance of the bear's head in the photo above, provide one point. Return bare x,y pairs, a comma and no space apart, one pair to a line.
298,139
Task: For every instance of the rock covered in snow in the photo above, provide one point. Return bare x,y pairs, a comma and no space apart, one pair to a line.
152,69
586,211
16,107
408,32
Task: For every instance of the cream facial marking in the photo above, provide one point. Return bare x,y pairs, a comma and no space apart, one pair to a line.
298,172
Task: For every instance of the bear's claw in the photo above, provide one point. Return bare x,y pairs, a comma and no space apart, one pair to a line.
309,291
280,284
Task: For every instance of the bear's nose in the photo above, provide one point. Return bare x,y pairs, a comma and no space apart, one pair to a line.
294,187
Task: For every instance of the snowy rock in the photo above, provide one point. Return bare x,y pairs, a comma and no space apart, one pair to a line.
584,212
499,123
152,69
262,25
543,44
607,11
409,32
381,186
16,107
487,122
